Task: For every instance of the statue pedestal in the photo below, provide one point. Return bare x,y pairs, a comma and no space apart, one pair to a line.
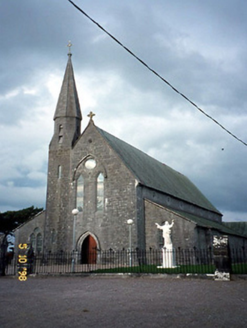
168,258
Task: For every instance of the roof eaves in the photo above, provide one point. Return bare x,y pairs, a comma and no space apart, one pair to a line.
202,222
30,219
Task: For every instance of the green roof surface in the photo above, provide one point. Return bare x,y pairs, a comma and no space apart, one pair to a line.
153,174
239,227
202,222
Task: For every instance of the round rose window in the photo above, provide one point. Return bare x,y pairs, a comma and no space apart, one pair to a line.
90,164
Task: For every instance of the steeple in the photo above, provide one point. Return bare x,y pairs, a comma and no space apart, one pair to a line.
68,102
67,116
67,130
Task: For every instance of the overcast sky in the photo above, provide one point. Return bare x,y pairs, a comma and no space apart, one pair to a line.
200,47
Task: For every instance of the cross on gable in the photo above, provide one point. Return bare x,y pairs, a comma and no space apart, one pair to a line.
91,115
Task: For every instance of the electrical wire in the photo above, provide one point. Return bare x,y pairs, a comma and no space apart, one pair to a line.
157,74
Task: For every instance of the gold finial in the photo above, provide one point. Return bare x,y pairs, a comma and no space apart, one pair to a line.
69,45
91,115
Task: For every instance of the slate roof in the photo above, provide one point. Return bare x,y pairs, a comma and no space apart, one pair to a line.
68,102
239,227
205,223
153,174
202,222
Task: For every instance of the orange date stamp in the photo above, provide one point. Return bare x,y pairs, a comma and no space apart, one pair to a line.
22,262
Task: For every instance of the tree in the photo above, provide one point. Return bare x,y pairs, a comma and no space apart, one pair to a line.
9,221
12,219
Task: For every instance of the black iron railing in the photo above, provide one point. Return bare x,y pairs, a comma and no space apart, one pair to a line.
238,258
125,261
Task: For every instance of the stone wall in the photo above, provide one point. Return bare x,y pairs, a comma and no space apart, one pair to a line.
184,233
35,225
109,225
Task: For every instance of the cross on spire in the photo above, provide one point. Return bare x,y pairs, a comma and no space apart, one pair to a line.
91,115
69,45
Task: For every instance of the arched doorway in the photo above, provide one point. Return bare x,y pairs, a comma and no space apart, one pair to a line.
89,250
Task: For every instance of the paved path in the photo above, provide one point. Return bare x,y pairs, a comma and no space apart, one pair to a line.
59,302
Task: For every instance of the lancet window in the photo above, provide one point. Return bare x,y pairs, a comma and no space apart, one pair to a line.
60,135
39,243
36,240
100,192
80,193
32,240
59,171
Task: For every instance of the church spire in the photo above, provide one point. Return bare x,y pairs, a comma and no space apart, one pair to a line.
67,116
68,102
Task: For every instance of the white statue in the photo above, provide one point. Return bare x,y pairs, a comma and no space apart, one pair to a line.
166,228
168,255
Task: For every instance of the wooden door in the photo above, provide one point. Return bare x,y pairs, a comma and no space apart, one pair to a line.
89,250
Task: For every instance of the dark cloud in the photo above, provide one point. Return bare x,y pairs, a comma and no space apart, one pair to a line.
199,47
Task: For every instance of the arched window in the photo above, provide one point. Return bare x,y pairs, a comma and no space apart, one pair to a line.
59,171
53,236
80,193
32,240
39,243
60,136
100,192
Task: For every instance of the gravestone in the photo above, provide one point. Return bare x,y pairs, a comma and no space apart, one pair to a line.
221,258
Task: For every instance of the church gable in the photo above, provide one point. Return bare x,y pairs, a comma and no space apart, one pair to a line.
31,232
103,189
92,146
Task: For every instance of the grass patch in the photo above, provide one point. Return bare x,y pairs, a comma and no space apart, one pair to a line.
154,269
197,269
240,268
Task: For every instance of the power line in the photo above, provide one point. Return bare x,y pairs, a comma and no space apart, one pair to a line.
157,74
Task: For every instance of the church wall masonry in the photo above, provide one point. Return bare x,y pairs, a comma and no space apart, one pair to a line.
183,232
140,217
109,224
34,226
57,213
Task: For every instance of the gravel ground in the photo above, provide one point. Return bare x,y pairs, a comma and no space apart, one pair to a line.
57,302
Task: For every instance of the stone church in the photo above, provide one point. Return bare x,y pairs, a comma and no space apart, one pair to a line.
109,182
